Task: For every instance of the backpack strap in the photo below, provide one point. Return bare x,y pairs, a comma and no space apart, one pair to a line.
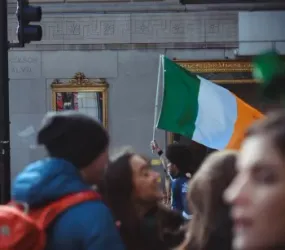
44,216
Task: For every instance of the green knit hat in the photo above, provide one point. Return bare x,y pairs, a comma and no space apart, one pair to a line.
269,71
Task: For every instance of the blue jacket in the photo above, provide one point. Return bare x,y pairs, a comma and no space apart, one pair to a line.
179,189
86,226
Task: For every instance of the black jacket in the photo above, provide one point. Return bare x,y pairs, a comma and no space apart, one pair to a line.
160,229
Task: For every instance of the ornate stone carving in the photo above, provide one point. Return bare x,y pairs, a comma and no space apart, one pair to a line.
197,28
80,80
194,27
222,71
74,29
216,66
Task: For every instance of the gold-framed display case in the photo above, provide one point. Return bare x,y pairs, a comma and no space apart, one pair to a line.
89,96
224,72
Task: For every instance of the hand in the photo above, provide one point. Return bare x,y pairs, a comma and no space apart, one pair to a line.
154,146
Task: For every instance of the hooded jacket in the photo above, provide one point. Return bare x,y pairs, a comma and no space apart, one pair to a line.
85,226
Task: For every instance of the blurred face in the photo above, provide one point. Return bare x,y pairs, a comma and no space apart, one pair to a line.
172,169
145,180
94,172
257,196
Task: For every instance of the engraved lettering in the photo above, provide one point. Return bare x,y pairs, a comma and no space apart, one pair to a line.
201,67
25,69
24,65
23,59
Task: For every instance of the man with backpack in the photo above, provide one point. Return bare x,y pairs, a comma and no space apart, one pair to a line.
53,206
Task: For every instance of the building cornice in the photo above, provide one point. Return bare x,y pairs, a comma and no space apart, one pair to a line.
146,7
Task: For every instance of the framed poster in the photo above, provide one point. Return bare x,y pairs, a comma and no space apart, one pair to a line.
88,96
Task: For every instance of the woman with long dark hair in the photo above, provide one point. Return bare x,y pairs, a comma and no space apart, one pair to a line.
132,191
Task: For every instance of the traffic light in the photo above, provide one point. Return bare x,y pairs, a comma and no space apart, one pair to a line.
26,14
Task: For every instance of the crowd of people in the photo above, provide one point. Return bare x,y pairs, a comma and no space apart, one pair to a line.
80,198
234,200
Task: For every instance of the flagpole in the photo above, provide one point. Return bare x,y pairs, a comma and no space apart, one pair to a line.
156,97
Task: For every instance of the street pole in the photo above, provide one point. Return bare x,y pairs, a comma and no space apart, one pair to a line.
5,175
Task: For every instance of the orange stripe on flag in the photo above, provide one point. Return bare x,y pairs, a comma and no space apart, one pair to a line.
246,116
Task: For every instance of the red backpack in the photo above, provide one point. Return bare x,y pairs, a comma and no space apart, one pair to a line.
21,229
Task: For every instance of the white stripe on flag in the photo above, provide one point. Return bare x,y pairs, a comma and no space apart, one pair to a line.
217,114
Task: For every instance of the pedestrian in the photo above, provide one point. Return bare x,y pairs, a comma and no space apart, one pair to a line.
133,193
257,194
179,167
78,154
211,227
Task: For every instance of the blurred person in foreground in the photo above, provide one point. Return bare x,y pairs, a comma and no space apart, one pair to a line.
77,146
269,71
211,227
257,194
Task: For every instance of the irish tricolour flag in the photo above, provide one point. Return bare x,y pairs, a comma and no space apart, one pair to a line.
201,110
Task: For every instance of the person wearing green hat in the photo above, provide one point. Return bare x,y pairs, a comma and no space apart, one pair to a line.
269,70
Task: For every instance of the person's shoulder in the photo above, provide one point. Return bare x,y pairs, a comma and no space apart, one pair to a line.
90,224
180,184
179,181
183,181
170,216
89,214
96,208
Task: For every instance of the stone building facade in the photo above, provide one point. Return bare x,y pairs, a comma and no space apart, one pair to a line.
121,42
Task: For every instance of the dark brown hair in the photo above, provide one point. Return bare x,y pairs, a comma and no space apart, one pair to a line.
211,222
137,233
117,193
181,156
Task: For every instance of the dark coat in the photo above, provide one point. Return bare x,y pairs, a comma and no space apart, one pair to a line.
160,229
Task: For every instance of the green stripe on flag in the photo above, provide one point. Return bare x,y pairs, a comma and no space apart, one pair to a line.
180,100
